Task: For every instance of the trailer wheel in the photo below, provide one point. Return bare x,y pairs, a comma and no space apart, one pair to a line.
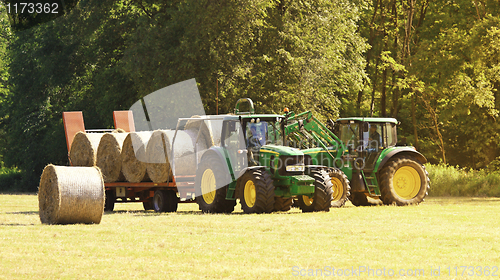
172,201
109,202
159,201
148,205
322,198
282,203
211,199
403,181
256,191
340,187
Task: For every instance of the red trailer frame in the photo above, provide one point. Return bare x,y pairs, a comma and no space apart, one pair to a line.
126,191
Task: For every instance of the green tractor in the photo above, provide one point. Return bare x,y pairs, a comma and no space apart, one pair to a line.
252,165
379,169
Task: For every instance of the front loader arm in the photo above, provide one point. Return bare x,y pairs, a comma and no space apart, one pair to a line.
320,133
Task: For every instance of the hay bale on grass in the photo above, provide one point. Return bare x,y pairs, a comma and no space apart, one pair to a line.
84,149
159,151
134,156
109,156
71,195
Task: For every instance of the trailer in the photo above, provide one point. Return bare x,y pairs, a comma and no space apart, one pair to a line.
160,197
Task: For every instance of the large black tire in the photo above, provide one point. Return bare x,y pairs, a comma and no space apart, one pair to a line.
340,187
109,202
322,193
282,203
403,181
172,201
211,199
165,201
148,205
361,199
256,192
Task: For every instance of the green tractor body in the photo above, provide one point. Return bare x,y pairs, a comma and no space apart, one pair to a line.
366,150
252,165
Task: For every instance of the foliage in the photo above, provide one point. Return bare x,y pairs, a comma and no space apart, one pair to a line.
102,56
10,180
453,181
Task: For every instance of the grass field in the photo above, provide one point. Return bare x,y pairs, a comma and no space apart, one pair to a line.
131,243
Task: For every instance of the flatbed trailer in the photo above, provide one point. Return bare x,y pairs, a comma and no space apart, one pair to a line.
161,197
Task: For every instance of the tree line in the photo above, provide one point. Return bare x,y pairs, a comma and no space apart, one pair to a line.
433,65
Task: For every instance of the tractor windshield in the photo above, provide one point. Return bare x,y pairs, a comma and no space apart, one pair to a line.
349,134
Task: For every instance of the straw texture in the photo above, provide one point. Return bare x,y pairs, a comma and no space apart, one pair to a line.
159,151
109,156
134,156
83,150
71,195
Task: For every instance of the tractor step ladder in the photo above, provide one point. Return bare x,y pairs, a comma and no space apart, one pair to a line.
371,184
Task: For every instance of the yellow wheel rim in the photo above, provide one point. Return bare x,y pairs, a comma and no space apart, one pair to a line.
406,182
338,190
208,186
250,194
307,200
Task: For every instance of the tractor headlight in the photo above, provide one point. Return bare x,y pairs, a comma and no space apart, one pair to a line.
295,168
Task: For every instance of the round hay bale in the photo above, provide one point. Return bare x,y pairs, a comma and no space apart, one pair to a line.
205,133
71,195
158,153
134,156
83,150
109,156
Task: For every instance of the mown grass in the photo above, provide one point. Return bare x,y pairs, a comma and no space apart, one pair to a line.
131,243
453,181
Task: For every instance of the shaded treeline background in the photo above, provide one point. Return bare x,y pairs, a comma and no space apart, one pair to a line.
433,65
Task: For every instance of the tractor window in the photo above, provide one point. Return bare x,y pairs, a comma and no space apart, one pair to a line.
257,134
374,136
390,135
349,134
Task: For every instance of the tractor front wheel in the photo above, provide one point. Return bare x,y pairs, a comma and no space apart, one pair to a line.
210,195
322,199
282,203
403,181
340,187
256,192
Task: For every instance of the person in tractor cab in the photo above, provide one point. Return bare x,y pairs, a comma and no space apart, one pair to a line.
374,138
256,137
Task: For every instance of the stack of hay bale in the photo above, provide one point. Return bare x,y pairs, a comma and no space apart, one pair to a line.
75,194
142,156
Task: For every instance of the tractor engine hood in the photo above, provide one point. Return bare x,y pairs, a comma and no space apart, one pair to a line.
281,150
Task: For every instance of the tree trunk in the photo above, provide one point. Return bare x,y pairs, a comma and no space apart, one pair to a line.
414,118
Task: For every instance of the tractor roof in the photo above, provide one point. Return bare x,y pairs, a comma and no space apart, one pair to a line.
371,119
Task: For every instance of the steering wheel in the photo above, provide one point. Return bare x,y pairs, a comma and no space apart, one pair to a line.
254,141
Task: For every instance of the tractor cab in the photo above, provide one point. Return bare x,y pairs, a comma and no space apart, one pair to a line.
367,138
258,130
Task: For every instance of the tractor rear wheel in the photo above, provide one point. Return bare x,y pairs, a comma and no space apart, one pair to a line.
322,199
256,192
340,187
210,198
403,181
282,203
